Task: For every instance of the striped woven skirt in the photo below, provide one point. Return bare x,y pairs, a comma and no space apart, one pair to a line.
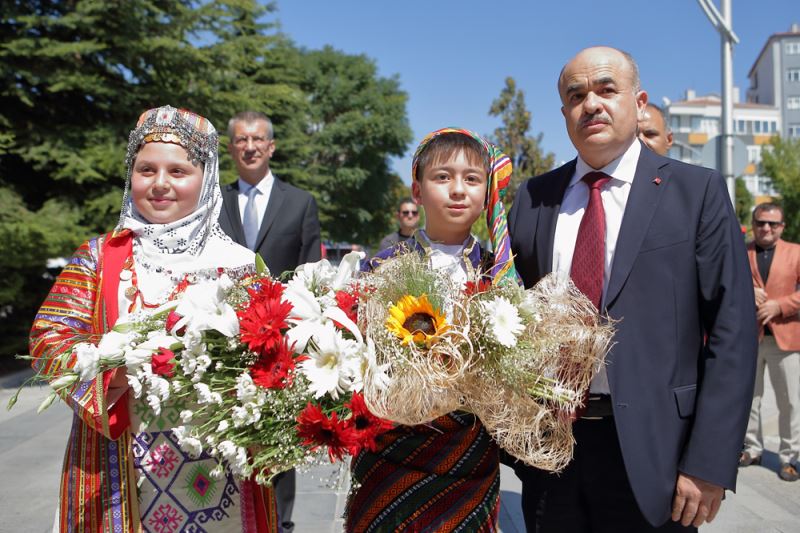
443,476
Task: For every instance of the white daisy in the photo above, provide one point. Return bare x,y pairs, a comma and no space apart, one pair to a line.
504,321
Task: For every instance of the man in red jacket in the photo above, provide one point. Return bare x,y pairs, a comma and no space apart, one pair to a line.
775,264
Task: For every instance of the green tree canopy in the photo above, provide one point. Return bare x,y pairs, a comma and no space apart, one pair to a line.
75,75
781,162
514,137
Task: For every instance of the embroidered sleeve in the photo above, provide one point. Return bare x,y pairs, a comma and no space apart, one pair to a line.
66,318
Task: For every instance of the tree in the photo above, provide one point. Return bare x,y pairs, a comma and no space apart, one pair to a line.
356,121
75,74
513,137
744,202
781,162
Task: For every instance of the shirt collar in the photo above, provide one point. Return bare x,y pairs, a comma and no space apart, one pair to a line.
622,168
264,186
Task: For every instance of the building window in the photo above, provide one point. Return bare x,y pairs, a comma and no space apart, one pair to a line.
793,47
774,128
754,154
757,126
695,123
740,126
793,74
793,102
794,130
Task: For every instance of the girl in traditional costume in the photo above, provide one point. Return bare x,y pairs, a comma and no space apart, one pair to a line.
441,476
123,468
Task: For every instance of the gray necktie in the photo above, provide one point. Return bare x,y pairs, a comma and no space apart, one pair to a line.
250,221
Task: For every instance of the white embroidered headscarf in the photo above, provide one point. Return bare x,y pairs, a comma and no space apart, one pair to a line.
196,242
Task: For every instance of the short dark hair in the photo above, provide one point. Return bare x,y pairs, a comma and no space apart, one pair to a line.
768,206
403,201
249,117
446,145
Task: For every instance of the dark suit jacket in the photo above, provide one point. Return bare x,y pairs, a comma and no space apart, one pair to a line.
680,269
289,233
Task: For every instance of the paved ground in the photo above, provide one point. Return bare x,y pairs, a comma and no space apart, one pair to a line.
31,448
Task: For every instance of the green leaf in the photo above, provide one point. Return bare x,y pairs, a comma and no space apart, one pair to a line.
261,266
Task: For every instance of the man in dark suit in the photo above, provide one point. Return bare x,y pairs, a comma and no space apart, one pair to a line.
260,211
273,218
656,245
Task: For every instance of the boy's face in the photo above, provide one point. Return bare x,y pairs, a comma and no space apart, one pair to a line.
453,191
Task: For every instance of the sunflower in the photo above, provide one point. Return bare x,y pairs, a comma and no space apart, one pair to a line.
414,319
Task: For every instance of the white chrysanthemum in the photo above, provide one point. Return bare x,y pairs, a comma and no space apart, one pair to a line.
222,426
328,367
192,446
135,384
504,321
87,360
227,449
203,393
155,403
158,386
217,472
186,416
246,390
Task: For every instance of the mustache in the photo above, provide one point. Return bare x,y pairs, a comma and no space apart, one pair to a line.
601,117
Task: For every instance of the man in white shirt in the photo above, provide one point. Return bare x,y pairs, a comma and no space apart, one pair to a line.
270,217
655,245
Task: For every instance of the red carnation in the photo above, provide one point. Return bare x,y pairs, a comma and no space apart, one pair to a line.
163,363
172,320
348,302
317,430
366,426
273,370
261,323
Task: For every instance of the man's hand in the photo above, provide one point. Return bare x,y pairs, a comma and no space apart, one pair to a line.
767,311
761,295
696,501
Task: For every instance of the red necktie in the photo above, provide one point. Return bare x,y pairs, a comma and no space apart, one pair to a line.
589,257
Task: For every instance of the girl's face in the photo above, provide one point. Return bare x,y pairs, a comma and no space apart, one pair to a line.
165,185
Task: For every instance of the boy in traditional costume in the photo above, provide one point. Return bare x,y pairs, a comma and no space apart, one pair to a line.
444,475
123,468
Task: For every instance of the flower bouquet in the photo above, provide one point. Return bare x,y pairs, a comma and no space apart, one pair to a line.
272,372
519,359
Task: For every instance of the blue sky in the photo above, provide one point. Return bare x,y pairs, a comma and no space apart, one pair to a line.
452,57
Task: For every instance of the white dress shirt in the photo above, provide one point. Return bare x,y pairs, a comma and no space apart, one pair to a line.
262,199
614,195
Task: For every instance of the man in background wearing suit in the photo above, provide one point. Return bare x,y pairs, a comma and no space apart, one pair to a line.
273,218
653,130
655,244
775,264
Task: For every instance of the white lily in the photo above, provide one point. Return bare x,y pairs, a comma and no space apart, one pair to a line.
328,366
347,269
203,307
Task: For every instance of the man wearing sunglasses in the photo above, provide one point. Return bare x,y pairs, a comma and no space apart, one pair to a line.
407,218
775,264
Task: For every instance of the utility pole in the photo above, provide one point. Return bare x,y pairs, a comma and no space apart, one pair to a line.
722,22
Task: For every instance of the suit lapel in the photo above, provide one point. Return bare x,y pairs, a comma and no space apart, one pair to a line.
751,256
276,198
230,196
642,202
549,207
